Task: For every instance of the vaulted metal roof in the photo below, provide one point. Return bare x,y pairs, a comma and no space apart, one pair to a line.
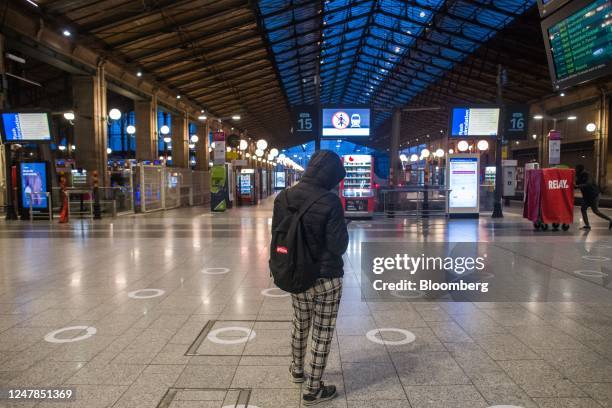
260,58
210,51
377,52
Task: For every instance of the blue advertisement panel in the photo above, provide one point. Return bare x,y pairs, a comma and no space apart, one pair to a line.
346,122
34,185
474,121
25,127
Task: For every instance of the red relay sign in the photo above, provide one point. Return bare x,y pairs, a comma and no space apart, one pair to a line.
557,203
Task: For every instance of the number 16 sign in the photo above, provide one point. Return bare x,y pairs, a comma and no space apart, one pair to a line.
516,122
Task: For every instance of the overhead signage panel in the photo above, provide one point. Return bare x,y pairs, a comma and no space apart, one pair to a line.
346,122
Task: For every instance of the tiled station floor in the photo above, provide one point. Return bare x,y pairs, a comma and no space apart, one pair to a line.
173,310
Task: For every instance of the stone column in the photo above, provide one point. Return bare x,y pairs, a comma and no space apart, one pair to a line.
180,140
90,127
146,129
201,150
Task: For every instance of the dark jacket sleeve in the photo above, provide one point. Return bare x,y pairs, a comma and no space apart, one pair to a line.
336,234
277,213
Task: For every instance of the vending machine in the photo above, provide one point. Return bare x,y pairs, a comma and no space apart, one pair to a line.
357,189
247,195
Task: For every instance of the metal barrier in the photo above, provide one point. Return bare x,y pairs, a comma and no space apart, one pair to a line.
151,188
84,200
415,201
45,194
164,188
119,199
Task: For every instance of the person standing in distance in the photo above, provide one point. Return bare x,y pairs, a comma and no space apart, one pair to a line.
326,237
590,197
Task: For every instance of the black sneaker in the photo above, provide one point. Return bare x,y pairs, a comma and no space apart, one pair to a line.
325,393
294,376
586,227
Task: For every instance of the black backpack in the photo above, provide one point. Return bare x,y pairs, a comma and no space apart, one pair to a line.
292,266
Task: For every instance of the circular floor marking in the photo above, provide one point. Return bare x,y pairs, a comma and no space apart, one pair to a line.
411,294
240,406
279,292
595,258
505,406
409,336
52,336
214,335
215,271
142,293
590,273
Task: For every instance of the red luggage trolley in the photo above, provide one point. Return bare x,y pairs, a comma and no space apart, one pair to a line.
549,198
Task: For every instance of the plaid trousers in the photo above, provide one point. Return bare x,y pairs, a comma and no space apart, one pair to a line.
317,307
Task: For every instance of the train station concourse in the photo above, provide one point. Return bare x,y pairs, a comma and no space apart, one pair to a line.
294,203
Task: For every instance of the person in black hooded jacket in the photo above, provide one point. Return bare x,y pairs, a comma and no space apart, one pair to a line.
327,238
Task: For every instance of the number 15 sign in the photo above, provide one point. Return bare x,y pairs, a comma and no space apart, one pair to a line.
304,120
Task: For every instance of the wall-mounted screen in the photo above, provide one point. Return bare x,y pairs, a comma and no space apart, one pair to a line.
474,121
33,185
578,41
345,122
23,127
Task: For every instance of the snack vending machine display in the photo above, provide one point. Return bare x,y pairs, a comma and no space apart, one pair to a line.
357,189
246,187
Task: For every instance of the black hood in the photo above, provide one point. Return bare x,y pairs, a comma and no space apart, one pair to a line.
324,169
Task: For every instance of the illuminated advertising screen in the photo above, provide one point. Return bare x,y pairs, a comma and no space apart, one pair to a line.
470,121
279,179
346,122
25,127
245,184
463,183
33,185
578,41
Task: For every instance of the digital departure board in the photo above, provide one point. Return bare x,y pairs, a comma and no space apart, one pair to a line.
578,41
474,121
22,127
